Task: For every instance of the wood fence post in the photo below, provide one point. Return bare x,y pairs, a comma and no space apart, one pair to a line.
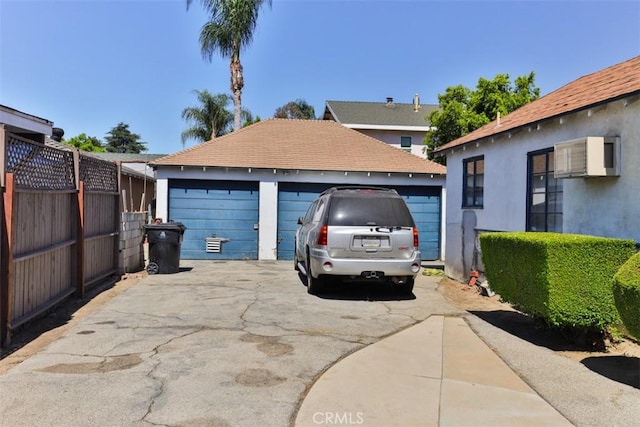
80,249
3,235
3,153
79,226
118,219
6,276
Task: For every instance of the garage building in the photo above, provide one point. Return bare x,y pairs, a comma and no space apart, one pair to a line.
240,195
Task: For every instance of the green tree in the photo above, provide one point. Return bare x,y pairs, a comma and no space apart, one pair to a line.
85,143
210,119
121,140
248,119
229,30
298,109
463,110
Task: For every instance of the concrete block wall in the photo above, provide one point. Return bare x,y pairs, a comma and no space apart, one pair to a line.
131,242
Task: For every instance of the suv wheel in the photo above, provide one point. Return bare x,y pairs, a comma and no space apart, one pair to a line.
314,286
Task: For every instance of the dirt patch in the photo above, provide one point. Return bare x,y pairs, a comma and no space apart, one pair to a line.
502,315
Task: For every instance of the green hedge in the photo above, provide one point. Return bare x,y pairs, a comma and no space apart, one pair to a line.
626,293
565,279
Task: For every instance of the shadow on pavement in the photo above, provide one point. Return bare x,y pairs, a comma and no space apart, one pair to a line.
622,369
525,327
57,316
359,291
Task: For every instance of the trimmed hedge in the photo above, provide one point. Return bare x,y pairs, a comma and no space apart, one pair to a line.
565,279
626,292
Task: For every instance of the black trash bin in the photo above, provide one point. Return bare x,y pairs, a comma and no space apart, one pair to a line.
164,240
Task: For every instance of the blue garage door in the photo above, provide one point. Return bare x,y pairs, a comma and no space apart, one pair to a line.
424,203
221,209
293,201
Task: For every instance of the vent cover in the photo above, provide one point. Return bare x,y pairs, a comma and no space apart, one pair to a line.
590,156
214,245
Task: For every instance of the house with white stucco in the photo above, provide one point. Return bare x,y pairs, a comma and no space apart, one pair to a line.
401,125
568,162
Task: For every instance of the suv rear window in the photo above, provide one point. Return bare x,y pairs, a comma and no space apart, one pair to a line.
359,210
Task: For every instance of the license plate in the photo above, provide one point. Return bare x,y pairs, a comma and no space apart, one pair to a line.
370,242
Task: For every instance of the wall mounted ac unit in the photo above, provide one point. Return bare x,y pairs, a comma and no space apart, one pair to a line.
587,156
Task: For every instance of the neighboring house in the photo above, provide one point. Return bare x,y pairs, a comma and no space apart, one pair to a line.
400,125
567,162
240,195
25,125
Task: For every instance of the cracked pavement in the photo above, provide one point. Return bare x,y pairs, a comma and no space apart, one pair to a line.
222,343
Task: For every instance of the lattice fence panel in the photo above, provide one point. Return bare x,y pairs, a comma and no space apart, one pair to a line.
98,175
37,166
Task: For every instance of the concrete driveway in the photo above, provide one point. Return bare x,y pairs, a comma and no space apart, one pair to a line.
218,344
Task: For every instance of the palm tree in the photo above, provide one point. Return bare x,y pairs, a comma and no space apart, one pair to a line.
230,29
210,118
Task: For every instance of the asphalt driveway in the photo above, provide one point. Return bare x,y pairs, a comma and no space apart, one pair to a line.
218,344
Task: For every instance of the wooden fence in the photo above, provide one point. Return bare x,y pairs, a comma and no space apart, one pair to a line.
60,227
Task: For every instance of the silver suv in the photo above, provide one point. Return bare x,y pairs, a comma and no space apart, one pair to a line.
358,233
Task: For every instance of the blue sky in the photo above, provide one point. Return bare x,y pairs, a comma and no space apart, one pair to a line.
87,65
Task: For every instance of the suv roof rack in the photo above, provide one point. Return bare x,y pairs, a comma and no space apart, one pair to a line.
357,187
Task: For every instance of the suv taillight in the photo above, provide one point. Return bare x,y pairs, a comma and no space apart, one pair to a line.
416,240
322,236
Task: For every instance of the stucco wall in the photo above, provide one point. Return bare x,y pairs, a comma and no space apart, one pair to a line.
599,206
609,206
392,137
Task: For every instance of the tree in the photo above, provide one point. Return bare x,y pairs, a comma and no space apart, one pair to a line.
85,143
298,109
210,119
463,110
121,140
229,30
248,119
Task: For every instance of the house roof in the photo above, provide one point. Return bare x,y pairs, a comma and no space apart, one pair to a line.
17,121
128,157
588,91
316,145
131,170
57,144
372,115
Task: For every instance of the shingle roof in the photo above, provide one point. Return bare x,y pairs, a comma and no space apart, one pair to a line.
128,157
317,145
588,91
50,142
378,113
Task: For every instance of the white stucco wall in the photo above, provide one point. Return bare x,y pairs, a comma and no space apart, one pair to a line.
599,206
269,180
392,137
